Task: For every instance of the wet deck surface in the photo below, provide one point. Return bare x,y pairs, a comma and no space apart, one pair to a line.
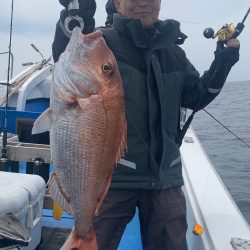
53,238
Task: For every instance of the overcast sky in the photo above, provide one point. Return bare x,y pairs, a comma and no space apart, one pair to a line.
34,22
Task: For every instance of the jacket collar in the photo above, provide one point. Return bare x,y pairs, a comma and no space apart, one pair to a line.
166,32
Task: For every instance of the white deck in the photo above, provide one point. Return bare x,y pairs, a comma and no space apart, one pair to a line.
209,202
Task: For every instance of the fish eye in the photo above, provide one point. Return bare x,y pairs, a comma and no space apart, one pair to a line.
107,69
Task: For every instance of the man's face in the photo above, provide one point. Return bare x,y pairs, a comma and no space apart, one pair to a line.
145,10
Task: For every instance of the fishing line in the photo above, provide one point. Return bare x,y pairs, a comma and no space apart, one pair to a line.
210,169
230,131
206,185
4,149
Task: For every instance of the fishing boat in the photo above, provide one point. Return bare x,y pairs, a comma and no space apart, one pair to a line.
214,220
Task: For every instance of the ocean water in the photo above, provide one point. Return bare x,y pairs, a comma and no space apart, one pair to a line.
230,157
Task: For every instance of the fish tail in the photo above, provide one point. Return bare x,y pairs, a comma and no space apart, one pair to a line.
75,242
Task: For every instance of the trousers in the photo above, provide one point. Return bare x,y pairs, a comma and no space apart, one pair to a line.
162,216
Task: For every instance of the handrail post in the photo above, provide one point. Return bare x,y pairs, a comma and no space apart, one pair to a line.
12,61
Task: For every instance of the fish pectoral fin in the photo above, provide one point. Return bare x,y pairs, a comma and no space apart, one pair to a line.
68,98
85,102
42,123
58,194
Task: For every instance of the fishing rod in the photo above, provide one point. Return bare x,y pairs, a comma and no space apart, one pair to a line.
225,127
227,32
4,158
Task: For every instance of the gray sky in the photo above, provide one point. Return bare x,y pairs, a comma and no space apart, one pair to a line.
35,20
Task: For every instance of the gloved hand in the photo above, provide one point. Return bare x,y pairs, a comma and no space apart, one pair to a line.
110,9
86,11
229,55
85,6
225,58
65,3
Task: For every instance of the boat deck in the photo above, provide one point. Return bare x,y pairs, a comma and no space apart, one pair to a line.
55,232
53,238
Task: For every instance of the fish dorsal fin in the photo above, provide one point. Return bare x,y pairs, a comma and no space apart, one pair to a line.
57,193
66,97
42,123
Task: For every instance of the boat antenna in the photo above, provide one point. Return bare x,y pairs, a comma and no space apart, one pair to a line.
4,159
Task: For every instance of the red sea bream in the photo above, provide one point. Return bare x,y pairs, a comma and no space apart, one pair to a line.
87,125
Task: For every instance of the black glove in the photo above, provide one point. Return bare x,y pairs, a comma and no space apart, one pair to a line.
86,11
110,9
226,56
65,3
83,4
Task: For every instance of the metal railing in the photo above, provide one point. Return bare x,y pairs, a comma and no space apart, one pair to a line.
12,61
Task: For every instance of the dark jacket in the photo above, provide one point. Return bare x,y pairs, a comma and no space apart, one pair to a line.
158,79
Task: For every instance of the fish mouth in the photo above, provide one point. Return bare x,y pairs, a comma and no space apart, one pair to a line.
91,36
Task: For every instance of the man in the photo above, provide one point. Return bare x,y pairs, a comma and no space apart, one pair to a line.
158,79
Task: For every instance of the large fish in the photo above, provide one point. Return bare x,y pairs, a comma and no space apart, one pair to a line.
87,125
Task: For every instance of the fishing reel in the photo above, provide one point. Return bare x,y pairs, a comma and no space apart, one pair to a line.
227,31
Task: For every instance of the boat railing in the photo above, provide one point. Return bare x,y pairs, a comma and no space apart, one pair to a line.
24,81
12,61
